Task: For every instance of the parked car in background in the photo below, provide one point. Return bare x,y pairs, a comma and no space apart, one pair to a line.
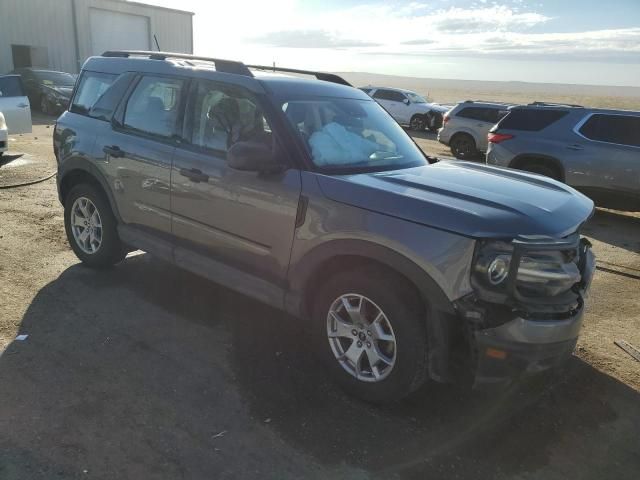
14,105
308,196
465,127
408,108
594,150
4,135
48,90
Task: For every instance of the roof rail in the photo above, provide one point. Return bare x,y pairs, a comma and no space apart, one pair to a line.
225,66
551,104
327,77
493,102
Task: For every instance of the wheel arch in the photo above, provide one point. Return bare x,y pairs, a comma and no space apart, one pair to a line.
520,160
464,131
78,170
338,255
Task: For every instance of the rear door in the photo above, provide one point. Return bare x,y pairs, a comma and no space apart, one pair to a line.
138,148
392,102
477,121
242,219
14,105
608,153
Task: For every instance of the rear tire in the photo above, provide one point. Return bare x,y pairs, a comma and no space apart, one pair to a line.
91,227
391,352
463,147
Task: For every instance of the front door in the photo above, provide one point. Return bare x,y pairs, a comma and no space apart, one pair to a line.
243,219
14,105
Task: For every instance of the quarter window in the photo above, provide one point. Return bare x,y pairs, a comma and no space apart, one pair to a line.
620,129
223,115
531,119
91,87
153,106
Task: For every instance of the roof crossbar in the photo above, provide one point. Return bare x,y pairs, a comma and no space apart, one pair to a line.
225,66
327,77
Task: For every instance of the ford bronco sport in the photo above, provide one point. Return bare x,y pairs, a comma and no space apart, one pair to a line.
306,195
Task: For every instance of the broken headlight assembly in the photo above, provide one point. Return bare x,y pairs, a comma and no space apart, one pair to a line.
530,271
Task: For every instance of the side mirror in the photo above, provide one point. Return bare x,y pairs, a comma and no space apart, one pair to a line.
253,157
406,101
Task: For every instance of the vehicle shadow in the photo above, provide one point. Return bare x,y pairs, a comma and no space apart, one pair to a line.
615,228
147,371
39,118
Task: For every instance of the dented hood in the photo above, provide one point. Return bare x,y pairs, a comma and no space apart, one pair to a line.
466,198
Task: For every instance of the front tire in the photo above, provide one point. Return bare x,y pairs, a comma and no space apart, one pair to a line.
371,333
91,227
418,123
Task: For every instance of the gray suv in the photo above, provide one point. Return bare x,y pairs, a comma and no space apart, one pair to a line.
306,195
595,151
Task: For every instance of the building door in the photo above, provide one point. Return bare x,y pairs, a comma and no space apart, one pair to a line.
21,56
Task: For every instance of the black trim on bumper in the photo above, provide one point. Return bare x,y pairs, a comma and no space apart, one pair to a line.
521,359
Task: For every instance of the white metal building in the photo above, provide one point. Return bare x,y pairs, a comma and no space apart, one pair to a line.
61,34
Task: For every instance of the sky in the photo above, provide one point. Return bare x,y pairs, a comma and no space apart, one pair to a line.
554,41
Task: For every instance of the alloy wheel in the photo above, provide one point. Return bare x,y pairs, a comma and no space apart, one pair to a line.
361,337
86,225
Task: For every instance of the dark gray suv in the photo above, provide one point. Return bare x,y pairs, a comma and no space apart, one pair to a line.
594,150
306,195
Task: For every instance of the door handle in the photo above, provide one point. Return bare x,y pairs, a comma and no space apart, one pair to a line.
575,147
113,151
23,105
194,175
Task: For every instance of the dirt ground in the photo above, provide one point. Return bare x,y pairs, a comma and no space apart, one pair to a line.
148,372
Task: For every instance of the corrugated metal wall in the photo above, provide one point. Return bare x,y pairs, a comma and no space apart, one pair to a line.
49,23
39,23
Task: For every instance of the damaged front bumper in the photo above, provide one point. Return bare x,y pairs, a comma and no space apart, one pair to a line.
512,339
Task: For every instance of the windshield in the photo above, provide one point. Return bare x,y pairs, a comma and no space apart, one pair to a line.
55,78
347,135
415,98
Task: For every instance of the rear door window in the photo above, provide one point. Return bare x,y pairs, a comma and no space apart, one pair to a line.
530,119
382,94
11,86
153,106
619,129
91,87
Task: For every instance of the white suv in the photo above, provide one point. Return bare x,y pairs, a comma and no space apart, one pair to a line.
408,108
465,127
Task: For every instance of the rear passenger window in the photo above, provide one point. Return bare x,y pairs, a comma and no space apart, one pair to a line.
223,115
620,129
530,119
389,95
489,115
11,87
91,87
153,106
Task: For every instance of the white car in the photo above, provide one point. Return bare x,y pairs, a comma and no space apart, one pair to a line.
15,116
408,108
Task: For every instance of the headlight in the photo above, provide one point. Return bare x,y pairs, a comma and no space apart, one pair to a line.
3,124
539,273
